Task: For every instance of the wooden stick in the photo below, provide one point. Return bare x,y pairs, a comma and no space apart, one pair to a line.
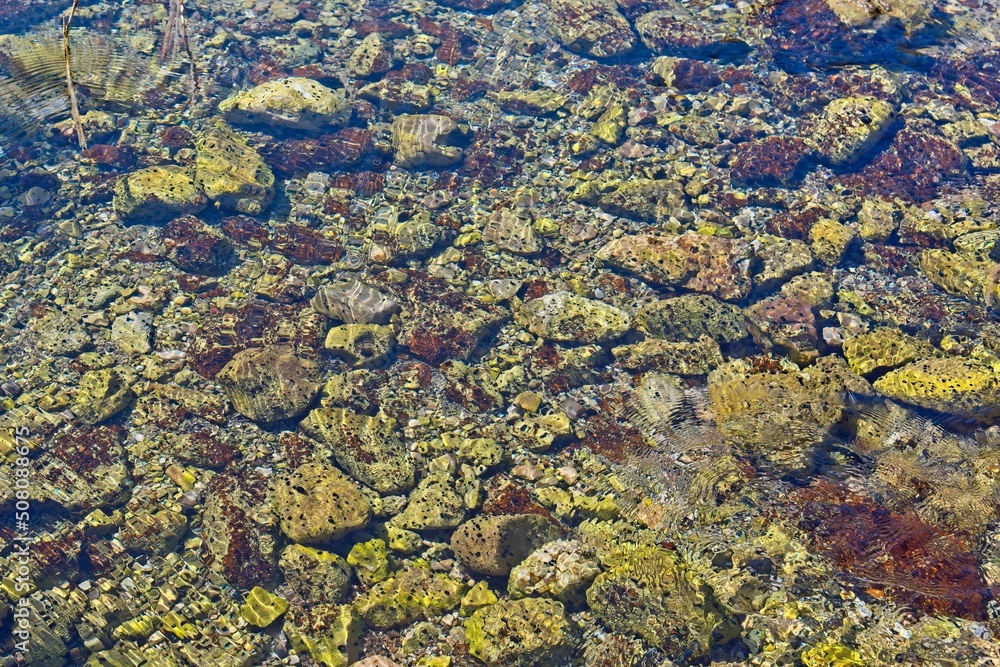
74,108
187,48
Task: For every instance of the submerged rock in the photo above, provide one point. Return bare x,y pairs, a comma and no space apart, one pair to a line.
648,591
295,102
951,385
269,384
693,261
494,544
366,447
521,633
566,317
354,302
849,127
427,140
155,195
412,595
592,28
232,173
316,504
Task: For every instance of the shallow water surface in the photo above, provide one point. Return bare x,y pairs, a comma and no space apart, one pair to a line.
605,333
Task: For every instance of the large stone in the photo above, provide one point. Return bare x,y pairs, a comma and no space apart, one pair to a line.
590,27
441,323
295,102
197,247
673,29
427,140
494,544
645,199
269,384
849,127
154,195
951,384
775,410
435,504
318,576
561,569
691,316
232,173
647,591
533,632
368,448
566,317
102,394
354,302
131,332
317,503
330,633
696,262
412,595
372,56
60,334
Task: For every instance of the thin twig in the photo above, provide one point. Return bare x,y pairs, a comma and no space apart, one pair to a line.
187,48
74,108
177,27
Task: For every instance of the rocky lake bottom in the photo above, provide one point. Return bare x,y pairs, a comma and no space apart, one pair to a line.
475,333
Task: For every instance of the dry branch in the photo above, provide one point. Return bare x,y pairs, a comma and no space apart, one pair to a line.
74,108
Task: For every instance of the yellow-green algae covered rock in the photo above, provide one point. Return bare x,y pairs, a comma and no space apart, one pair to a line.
829,240
366,447
831,655
682,358
884,348
232,173
564,316
648,591
849,127
318,576
262,608
157,194
412,595
774,409
958,274
950,384
533,102
267,384
317,503
371,561
330,633
295,102
532,632
102,394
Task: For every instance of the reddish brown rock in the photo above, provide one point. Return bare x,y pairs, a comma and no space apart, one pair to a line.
236,542
692,261
197,247
325,153
895,551
913,167
258,324
768,161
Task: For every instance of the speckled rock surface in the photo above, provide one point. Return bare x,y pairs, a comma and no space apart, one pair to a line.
269,384
317,503
367,447
295,102
695,262
495,544
566,317
157,194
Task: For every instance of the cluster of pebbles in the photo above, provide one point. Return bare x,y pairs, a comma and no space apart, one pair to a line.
570,332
